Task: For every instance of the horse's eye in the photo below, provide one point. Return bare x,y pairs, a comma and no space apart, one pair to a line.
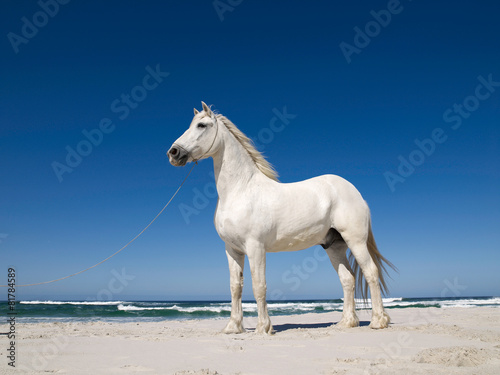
202,125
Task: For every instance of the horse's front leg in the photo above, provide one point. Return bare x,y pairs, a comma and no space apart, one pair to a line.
257,260
236,262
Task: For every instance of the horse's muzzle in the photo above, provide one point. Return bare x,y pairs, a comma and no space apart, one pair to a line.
177,156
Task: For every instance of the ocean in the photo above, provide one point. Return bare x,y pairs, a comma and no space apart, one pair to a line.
126,311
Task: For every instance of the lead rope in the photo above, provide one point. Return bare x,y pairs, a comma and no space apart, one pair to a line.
123,248
214,118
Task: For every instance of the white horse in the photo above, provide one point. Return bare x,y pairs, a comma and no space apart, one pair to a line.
256,214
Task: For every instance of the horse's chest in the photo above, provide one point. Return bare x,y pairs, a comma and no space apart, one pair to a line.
233,224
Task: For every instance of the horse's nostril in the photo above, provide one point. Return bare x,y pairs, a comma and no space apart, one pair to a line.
173,151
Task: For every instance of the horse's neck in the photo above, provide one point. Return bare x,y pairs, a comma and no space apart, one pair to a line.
234,168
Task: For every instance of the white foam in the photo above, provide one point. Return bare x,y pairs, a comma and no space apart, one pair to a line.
176,308
90,303
472,302
275,307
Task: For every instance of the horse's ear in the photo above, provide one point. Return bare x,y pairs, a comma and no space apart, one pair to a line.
195,111
206,109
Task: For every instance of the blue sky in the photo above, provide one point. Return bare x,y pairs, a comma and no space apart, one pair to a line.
400,98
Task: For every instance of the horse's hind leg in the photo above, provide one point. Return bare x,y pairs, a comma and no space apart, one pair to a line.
236,262
337,254
359,249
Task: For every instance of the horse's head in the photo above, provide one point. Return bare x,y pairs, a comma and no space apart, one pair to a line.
198,142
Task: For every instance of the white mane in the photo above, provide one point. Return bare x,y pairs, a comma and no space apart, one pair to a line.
262,164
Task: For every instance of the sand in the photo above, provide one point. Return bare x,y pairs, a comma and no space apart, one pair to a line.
419,341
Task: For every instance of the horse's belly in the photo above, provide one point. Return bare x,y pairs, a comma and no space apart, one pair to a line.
299,240
274,237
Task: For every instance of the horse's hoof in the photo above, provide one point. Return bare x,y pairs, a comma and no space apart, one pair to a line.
233,327
265,328
380,321
348,322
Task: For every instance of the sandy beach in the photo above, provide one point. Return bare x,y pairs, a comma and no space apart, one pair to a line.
418,341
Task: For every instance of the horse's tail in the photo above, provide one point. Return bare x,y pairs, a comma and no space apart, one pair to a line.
379,260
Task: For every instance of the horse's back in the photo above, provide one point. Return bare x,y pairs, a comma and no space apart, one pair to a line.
336,187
